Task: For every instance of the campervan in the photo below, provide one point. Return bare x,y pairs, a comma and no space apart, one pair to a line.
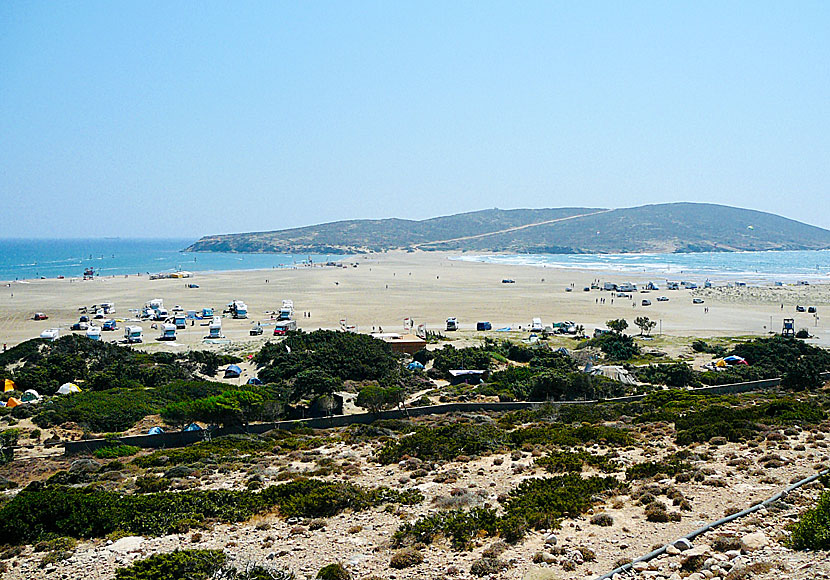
108,307
238,309
160,314
610,286
93,333
155,303
652,286
180,320
483,325
536,325
286,310
280,328
452,323
50,333
626,287
168,332
673,285
132,334
215,329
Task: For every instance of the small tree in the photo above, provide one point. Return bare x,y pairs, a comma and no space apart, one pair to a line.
618,325
371,397
644,324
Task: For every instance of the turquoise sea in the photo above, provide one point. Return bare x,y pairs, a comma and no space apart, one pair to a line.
32,258
786,266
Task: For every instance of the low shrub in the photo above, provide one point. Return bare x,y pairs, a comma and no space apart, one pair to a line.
446,443
116,451
334,572
487,566
574,461
812,530
191,564
406,558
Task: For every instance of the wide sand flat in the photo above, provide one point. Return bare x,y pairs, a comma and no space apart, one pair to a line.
427,287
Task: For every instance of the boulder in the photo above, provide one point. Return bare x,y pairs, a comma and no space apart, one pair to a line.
754,541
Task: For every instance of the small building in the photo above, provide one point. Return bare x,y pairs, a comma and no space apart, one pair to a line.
404,343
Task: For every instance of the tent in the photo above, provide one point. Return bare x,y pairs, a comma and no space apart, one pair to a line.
155,431
12,403
415,366
232,372
254,381
9,386
193,427
68,388
735,360
30,396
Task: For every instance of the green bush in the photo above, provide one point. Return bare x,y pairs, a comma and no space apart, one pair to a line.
812,530
447,443
535,503
573,462
116,451
48,510
190,564
334,572
450,358
565,435
671,467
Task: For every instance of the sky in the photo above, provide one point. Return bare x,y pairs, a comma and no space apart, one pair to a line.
182,119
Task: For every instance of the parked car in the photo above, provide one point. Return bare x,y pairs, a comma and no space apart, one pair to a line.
109,325
662,299
799,309
646,303
812,310
256,330
79,326
40,316
508,281
697,300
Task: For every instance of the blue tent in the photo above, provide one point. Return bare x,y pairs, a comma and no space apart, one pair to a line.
415,366
155,431
193,427
232,372
254,381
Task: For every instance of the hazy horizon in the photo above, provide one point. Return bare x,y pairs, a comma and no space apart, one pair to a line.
178,121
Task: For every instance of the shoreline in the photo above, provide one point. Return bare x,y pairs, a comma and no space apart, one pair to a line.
427,288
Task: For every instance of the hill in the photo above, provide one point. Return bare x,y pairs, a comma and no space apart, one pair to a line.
663,228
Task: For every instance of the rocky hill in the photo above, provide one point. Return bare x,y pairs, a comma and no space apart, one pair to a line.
666,228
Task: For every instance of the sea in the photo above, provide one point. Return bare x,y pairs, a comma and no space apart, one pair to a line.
761,267
35,258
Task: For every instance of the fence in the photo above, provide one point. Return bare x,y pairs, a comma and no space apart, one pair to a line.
183,438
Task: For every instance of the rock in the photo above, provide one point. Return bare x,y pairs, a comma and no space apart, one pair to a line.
126,545
754,541
682,544
550,540
84,466
640,566
672,551
541,574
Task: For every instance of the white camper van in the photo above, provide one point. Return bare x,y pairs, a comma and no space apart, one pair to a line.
215,329
133,334
168,332
536,325
452,323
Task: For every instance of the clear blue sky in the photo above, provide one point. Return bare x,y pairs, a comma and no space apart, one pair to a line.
184,119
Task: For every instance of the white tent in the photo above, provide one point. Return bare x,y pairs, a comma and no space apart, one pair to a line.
68,388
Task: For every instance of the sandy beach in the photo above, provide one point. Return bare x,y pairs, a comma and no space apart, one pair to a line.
384,289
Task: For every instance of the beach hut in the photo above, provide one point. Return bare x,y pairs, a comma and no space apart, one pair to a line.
232,372
68,388
155,431
31,396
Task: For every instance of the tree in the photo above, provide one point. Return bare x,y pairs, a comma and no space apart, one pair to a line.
371,397
312,383
617,325
644,324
